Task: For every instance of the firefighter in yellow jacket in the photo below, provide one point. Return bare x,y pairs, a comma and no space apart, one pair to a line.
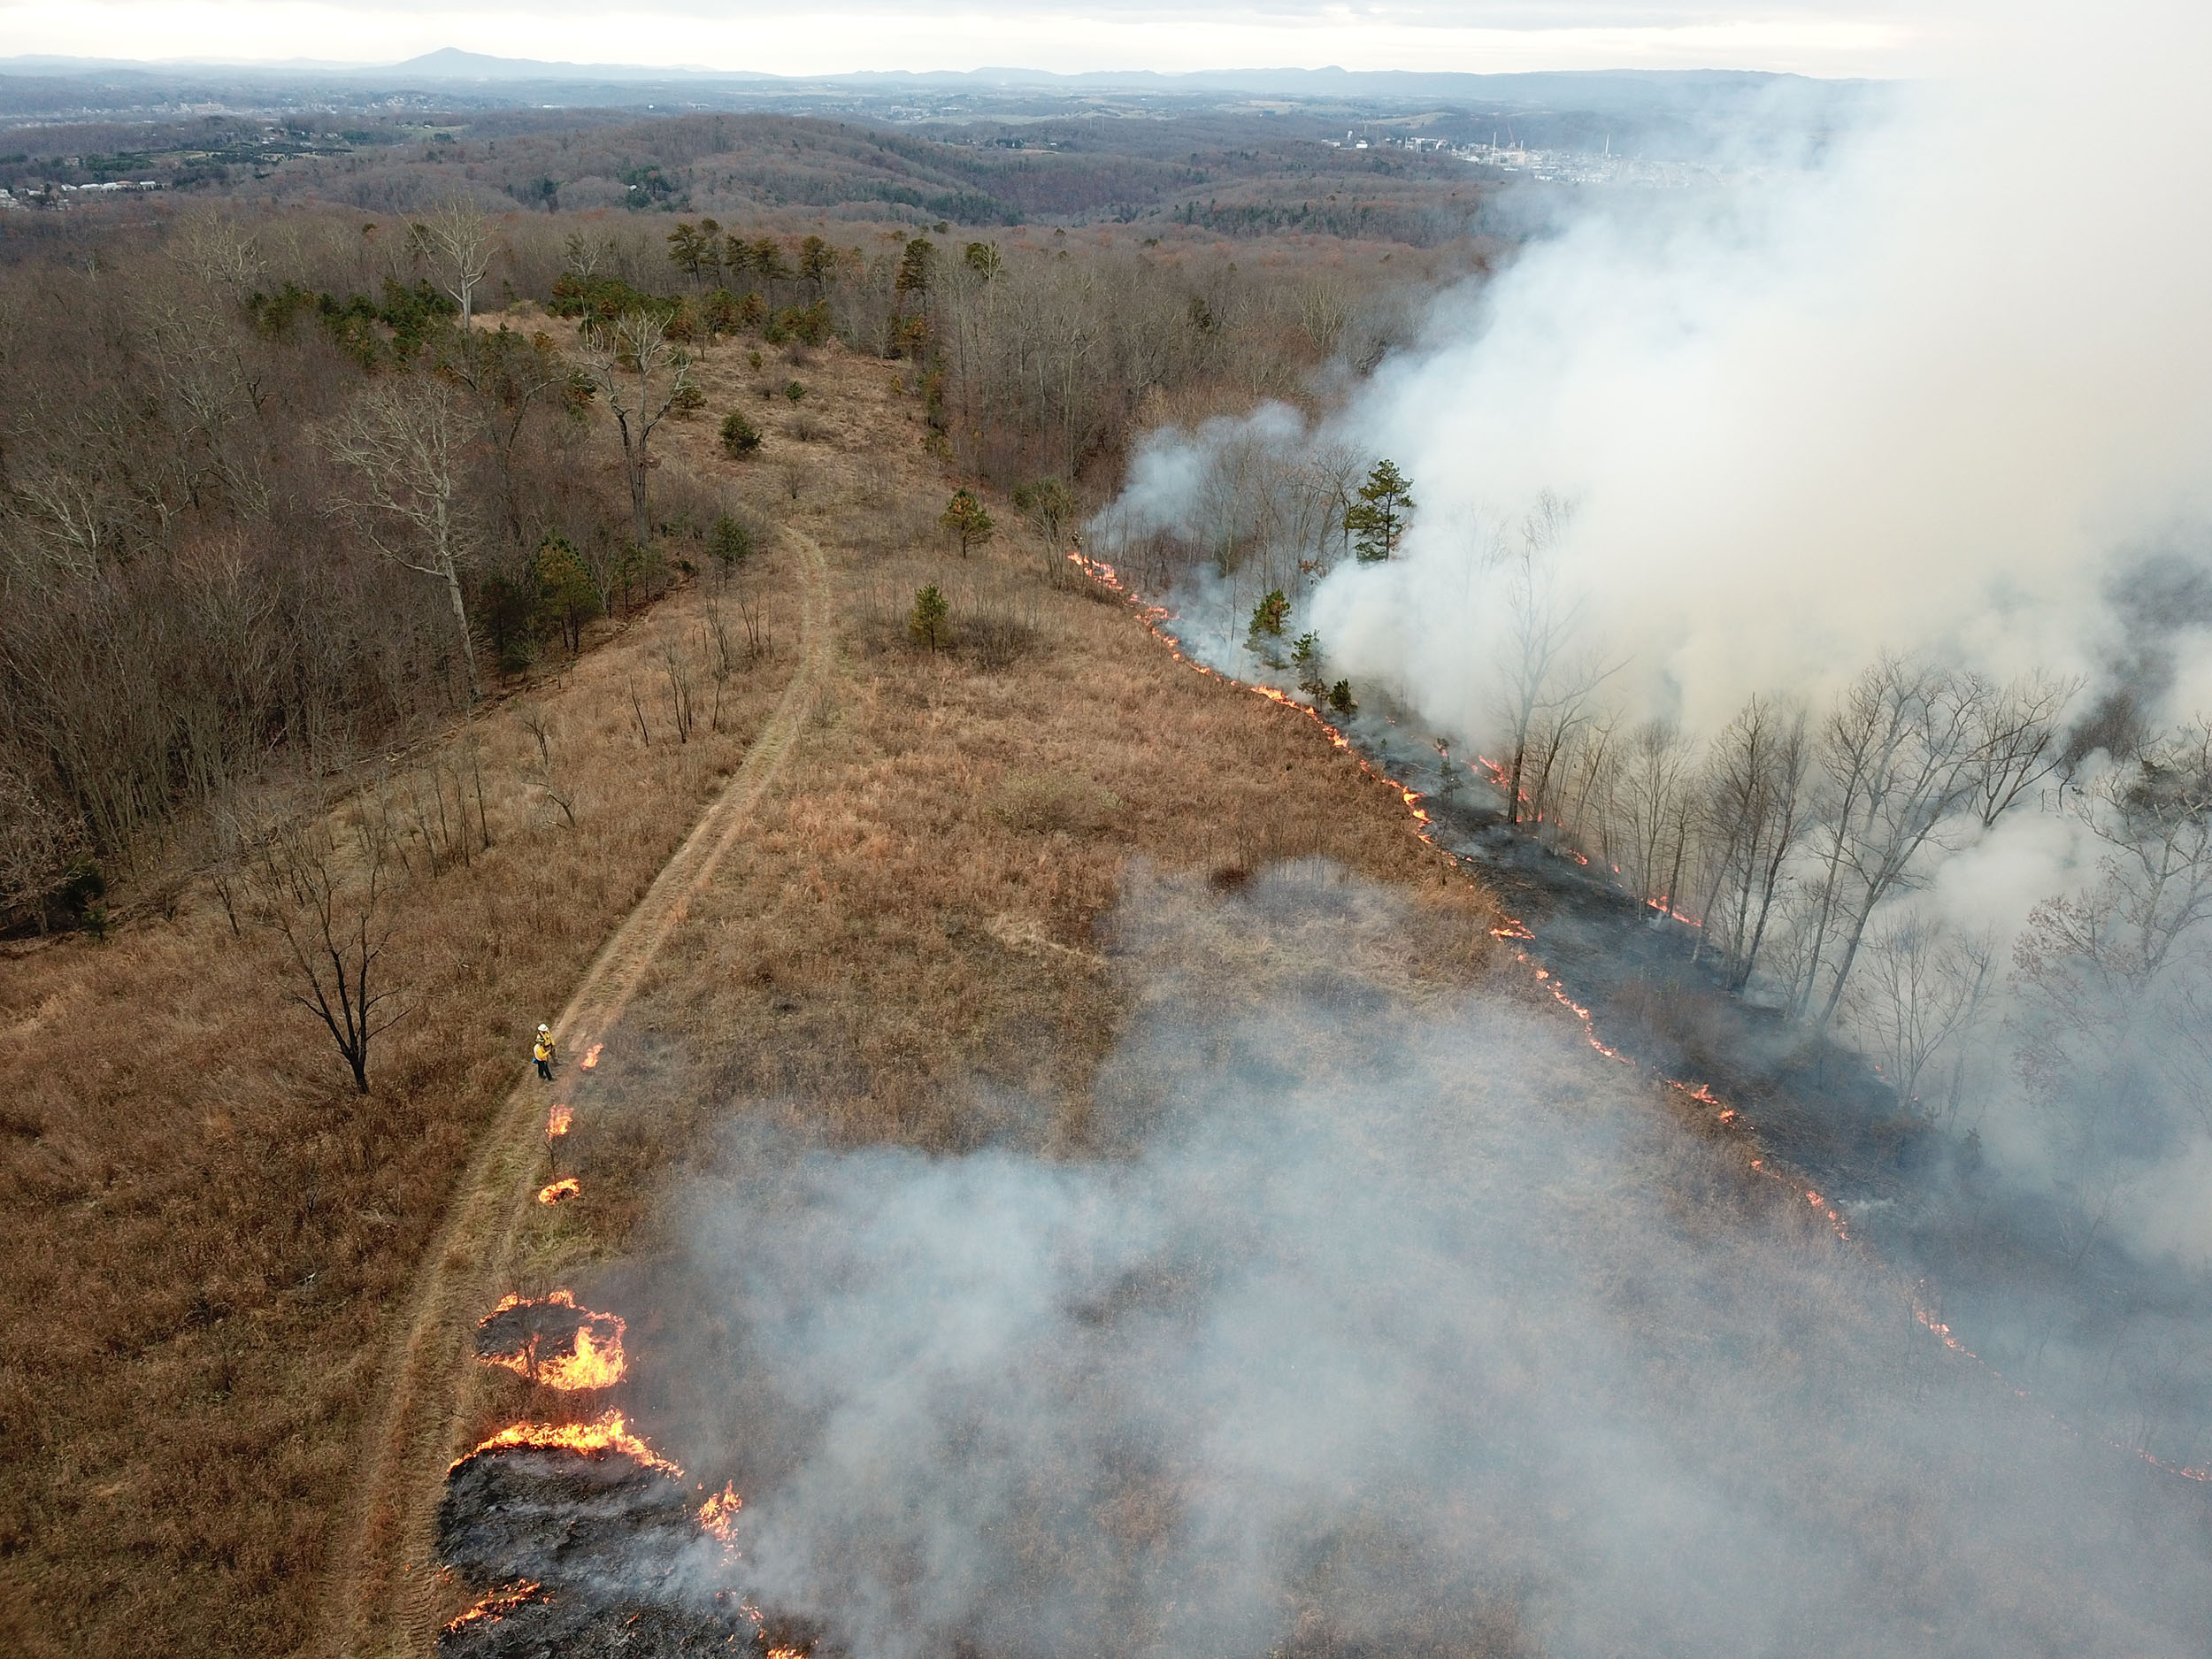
541,1051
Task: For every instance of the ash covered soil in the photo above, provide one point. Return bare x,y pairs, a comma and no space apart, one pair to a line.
552,1538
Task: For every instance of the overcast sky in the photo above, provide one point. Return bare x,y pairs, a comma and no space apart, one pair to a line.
1827,37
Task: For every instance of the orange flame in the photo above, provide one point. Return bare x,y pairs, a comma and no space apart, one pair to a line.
567,1187
608,1433
596,1362
718,1514
590,1365
497,1605
1511,930
591,1056
557,1120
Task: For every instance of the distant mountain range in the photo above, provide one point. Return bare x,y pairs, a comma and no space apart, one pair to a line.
449,65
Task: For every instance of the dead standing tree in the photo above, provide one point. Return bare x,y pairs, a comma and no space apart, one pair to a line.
331,908
642,372
405,442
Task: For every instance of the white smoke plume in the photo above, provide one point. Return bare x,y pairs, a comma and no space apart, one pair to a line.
1947,393
1395,1319
1919,398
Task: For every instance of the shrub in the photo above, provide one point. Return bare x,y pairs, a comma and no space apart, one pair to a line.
740,436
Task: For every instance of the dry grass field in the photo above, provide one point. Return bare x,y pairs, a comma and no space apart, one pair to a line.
208,1237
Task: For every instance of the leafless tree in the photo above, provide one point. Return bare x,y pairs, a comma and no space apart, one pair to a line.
642,371
2017,736
1754,815
38,839
331,904
218,250
404,442
1901,754
1658,798
1547,669
586,257
1925,986
681,683
457,239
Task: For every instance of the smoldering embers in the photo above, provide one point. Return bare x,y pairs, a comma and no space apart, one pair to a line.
1397,1318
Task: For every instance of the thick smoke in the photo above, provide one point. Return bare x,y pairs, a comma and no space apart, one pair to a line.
1395,1319
1948,394
1915,399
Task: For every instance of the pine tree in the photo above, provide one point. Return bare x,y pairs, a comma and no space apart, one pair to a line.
927,623
740,436
965,517
567,597
1377,519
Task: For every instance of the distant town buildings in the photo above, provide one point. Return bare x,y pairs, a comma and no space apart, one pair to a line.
1551,166
58,194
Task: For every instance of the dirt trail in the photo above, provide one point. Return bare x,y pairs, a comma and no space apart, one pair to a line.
385,1589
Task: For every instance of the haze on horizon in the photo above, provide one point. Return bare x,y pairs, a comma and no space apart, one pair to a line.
1813,37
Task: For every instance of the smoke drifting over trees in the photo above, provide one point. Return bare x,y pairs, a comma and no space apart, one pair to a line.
1827,556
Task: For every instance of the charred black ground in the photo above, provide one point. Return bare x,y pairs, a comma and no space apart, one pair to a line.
551,1536
2089,1329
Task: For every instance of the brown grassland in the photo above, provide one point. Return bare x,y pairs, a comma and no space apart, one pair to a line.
209,1238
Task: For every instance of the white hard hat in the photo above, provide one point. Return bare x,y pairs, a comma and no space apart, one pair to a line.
543,1026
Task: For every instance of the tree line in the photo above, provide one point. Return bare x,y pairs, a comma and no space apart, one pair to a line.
1802,838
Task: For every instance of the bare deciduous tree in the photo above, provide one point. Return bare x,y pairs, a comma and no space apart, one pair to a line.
642,371
1926,985
331,904
1547,670
37,842
404,442
457,239
2018,739
1901,755
1753,803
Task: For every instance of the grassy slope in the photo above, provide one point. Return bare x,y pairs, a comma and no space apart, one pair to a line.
205,1235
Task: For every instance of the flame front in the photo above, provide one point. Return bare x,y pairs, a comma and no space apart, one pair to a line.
596,1361
718,1515
497,1605
591,1056
567,1187
589,1365
557,1120
608,1433
1511,931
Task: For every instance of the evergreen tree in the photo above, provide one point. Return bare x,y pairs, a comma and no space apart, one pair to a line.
965,517
731,541
567,598
927,624
1377,519
740,436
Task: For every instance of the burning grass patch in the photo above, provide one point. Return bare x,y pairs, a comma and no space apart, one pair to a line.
553,1342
